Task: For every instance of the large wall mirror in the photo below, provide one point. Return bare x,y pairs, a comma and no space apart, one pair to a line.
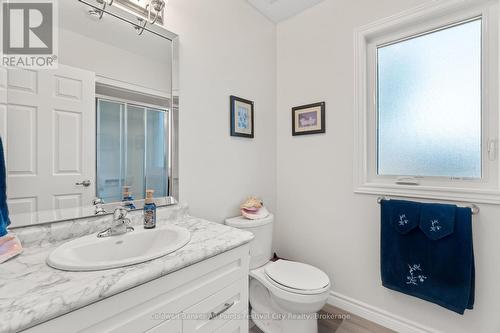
101,128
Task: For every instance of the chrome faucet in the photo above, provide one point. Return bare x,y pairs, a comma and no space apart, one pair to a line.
119,226
99,210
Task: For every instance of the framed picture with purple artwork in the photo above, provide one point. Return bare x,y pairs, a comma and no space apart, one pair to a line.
241,116
308,119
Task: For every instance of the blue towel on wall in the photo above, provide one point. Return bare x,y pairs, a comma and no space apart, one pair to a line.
432,259
4,211
405,216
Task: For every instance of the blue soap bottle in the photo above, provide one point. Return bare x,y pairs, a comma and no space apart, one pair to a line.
127,199
149,211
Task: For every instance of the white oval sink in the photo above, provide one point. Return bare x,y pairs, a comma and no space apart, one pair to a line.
91,253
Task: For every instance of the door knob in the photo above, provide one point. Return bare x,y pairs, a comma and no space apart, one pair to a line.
85,183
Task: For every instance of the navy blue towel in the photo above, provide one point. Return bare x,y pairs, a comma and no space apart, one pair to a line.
432,258
4,211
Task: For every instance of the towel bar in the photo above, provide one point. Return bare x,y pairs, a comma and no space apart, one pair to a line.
474,208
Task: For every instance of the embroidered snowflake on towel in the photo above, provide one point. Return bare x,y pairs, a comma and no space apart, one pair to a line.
435,226
403,220
415,278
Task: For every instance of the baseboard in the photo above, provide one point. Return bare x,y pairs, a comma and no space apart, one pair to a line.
376,315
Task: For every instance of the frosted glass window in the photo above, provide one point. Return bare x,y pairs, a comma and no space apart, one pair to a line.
429,104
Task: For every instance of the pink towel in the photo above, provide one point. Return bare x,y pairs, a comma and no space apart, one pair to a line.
10,246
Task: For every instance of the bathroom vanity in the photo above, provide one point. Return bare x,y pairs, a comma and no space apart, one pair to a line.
202,287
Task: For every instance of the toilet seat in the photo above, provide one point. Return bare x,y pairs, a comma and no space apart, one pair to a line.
297,277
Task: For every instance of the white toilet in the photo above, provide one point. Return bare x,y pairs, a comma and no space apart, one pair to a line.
285,295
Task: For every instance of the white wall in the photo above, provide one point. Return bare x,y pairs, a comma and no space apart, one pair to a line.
319,218
226,47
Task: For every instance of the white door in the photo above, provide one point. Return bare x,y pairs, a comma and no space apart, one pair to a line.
49,137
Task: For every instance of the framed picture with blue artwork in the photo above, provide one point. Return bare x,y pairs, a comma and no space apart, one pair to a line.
242,123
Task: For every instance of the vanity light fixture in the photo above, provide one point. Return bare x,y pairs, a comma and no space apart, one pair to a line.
153,10
100,12
142,25
157,6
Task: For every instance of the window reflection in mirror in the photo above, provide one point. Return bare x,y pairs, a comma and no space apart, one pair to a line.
132,143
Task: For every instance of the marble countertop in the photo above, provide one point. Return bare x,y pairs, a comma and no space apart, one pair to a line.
31,292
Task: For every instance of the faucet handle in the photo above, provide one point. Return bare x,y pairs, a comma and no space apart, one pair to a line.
97,201
120,213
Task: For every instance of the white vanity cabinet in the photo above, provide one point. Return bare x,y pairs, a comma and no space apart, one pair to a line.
210,296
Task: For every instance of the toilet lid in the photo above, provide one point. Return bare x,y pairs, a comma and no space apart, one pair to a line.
296,275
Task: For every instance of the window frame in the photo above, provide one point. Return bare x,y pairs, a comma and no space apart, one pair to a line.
421,20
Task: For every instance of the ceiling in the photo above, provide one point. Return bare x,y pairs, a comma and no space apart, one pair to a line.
279,10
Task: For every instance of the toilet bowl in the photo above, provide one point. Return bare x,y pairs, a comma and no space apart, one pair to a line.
284,295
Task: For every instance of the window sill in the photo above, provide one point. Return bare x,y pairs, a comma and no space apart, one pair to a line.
431,193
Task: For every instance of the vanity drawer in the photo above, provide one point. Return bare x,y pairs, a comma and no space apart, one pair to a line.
217,310
169,326
235,326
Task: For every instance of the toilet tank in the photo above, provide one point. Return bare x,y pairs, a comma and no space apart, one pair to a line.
261,245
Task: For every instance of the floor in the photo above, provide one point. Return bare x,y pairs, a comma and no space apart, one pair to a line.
340,321
254,329
345,327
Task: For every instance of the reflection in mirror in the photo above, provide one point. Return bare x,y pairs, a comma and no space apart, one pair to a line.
132,143
103,124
